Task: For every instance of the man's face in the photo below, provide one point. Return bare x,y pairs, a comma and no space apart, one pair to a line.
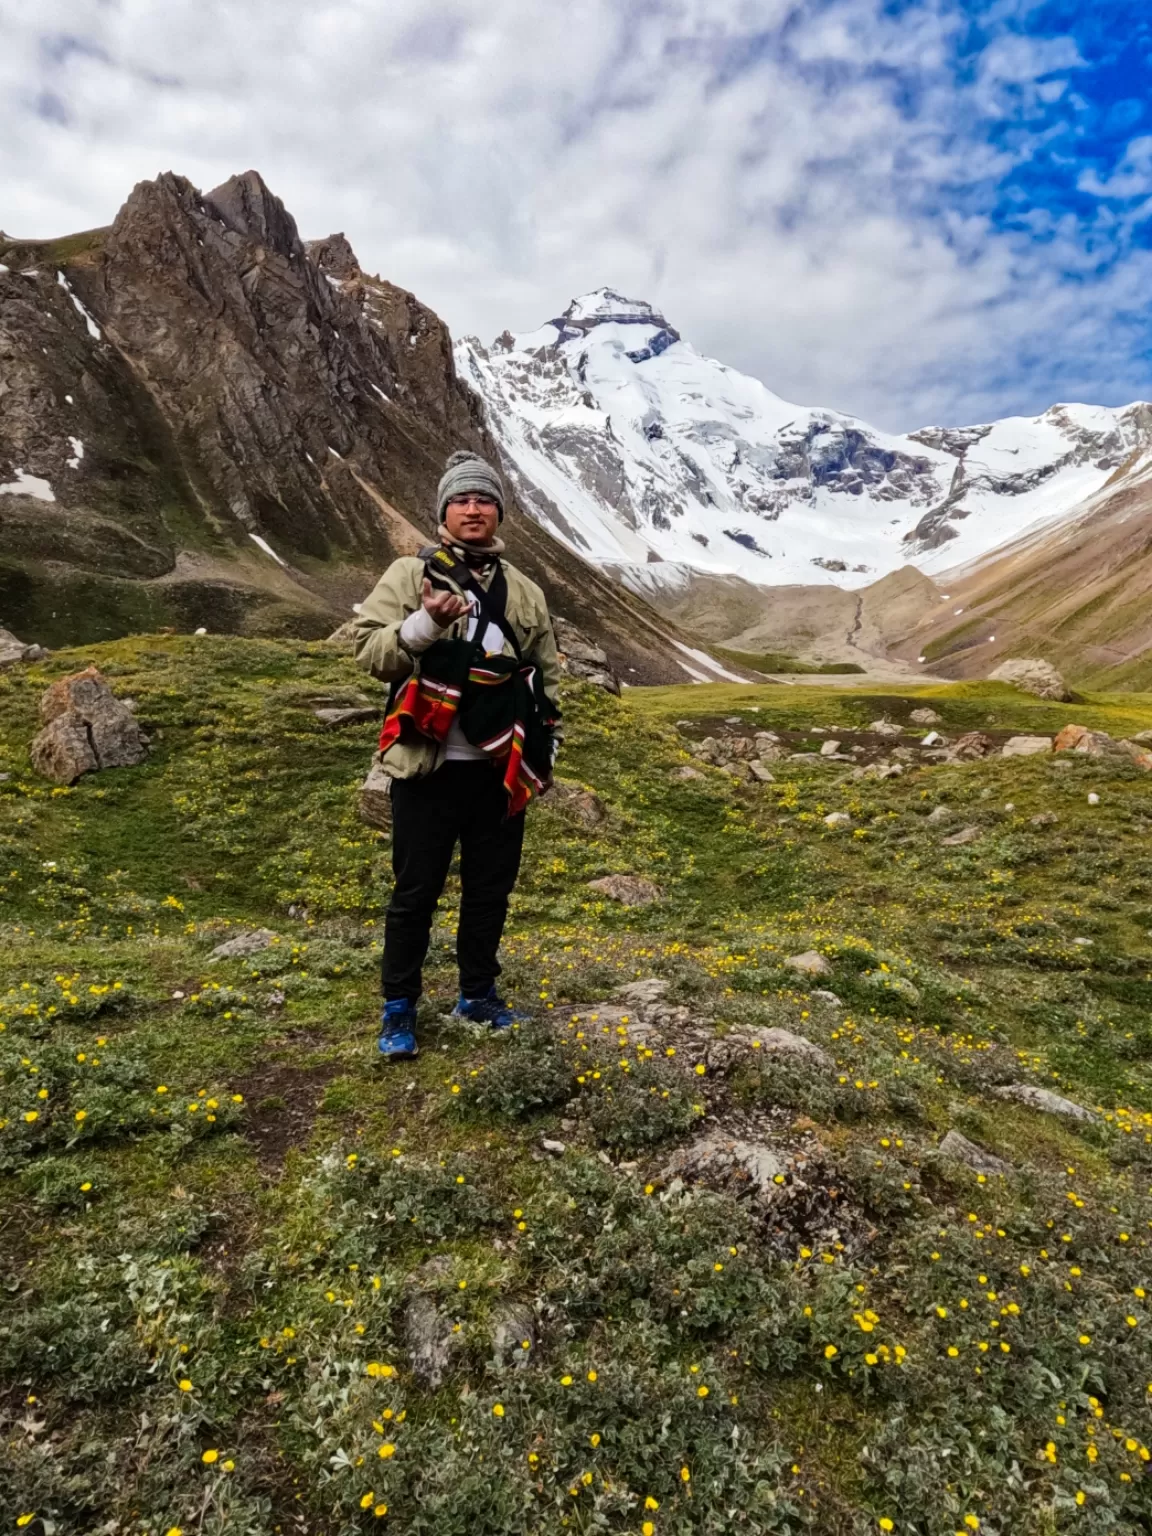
471,518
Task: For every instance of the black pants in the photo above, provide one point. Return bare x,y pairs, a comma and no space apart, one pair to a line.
466,803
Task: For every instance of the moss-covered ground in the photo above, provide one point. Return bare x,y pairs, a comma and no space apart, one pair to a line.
217,1213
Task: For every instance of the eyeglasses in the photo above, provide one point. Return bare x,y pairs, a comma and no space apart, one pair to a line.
471,501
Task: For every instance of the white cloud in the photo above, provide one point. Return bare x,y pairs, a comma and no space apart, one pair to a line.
745,164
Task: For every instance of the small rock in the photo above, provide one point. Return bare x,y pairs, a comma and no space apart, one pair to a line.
644,993
629,890
200,631
940,813
1044,819
727,1163
1026,746
759,772
251,942
686,772
933,739
885,728
580,803
810,963
1083,943
375,805
782,1042
970,746
514,1334
829,748
1044,1099
924,717
431,1340
13,650
1030,675
838,819
961,1150
1144,738
1093,798
821,996
334,719
958,839
557,1148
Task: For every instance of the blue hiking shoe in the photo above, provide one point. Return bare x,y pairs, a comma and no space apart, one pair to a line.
397,1040
491,1009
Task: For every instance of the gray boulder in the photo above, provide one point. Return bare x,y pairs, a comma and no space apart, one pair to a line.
727,1163
1033,676
964,836
13,650
1026,746
86,728
810,963
1045,1100
961,1150
251,942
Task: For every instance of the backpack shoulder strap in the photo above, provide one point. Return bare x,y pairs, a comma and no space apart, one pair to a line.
439,561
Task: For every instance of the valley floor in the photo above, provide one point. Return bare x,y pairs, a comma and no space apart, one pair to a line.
683,1259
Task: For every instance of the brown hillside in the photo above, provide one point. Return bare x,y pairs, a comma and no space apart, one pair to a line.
1078,594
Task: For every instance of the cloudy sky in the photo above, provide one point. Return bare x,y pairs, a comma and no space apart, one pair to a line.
916,210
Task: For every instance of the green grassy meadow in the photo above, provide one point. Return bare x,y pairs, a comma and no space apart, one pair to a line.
221,1223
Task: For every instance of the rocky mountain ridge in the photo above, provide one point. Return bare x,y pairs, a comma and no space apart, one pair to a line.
208,422
634,449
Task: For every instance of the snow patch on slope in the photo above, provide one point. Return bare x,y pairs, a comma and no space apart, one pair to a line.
28,485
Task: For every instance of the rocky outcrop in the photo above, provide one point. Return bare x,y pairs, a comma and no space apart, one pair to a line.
579,657
1033,676
209,424
86,728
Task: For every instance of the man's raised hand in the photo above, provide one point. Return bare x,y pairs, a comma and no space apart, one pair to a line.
443,606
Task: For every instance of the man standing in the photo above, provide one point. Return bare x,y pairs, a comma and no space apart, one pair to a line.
466,643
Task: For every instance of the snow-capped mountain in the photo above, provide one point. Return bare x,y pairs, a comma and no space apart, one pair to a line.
633,448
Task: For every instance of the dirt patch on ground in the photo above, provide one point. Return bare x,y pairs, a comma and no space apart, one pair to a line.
282,1105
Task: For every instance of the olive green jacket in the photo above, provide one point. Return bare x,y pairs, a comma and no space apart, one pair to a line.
378,648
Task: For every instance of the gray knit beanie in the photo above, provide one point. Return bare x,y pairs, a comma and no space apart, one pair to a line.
466,472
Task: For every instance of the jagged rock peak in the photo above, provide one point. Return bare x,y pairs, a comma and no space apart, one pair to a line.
334,256
246,205
606,306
